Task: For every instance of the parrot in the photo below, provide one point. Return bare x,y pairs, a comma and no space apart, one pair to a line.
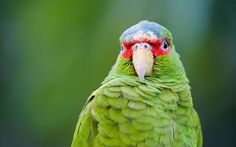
145,101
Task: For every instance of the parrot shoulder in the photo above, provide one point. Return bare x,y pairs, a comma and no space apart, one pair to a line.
86,129
186,108
198,130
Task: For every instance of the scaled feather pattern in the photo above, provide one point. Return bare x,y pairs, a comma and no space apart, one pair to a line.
128,112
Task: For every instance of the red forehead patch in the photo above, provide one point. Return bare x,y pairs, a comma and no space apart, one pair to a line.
156,47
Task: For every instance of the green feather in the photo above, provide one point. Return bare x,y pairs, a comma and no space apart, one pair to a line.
157,111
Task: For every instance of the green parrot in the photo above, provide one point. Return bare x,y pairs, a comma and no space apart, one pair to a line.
145,100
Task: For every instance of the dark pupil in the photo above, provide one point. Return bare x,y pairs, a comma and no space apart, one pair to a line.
165,45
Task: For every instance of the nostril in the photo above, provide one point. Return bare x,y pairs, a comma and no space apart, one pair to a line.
135,47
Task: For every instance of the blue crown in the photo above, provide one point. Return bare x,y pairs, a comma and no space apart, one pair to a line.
143,30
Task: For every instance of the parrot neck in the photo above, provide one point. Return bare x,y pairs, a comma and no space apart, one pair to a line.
168,71
175,83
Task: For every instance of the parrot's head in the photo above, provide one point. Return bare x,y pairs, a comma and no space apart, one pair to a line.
147,50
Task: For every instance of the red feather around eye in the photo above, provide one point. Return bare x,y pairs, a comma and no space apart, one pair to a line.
157,49
156,43
129,44
159,52
127,53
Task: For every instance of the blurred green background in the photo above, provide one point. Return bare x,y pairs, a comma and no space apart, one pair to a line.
55,53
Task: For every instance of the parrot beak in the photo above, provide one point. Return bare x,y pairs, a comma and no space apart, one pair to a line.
143,62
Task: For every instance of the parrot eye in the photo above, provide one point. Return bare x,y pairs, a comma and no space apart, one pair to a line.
164,46
122,48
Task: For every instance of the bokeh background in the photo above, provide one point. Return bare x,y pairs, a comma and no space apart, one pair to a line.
55,53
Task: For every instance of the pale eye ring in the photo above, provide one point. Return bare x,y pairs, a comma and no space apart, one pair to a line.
164,46
123,48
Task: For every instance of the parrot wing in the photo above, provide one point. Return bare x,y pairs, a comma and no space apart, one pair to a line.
198,130
191,134
86,128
